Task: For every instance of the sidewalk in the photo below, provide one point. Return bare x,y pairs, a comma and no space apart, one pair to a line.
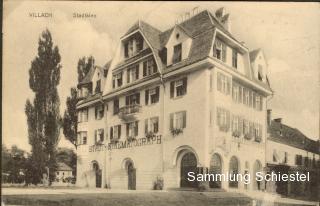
269,199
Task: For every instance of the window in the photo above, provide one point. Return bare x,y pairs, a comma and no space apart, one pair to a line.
298,160
285,160
99,111
234,58
246,96
258,104
235,123
250,98
240,93
149,67
223,119
177,53
133,99
133,46
115,132
224,83
117,80
260,74
83,115
81,138
98,136
178,87
132,129
152,125
178,120
257,132
98,86
133,73
152,95
115,106
219,50
275,156
235,92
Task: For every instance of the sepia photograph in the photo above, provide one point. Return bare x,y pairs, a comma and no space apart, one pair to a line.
159,103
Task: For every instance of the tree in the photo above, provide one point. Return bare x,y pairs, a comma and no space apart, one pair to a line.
84,66
70,119
13,164
43,114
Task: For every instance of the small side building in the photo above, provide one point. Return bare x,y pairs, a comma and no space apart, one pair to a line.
290,151
63,172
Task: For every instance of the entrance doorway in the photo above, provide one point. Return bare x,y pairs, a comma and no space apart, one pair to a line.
131,176
257,168
188,164
215,168
98,174
234,171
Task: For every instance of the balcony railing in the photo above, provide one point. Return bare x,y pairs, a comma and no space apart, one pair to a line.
128,112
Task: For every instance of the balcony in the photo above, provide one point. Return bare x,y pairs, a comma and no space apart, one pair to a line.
128,112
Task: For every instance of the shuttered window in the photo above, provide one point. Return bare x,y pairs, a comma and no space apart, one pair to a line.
178,87
178,120
223,83
132,129
223,119
152,95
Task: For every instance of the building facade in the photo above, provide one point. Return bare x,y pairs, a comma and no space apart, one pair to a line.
191,98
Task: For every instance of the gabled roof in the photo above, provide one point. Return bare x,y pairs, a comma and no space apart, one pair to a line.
253,54
287,135
88,78
63,167
200,27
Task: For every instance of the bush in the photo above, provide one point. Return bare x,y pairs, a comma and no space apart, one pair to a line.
158,184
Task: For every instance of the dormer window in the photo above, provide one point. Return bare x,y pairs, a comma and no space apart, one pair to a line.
117,80
177,53
98,86
260,69
133,46
219,50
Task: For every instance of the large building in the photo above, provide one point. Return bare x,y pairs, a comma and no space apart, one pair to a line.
191,98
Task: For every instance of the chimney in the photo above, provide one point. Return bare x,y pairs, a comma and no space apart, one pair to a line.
269,117
220,13
223,18
279,120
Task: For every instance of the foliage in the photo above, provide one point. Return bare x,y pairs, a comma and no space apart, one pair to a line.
13,164
176,131
158,183
43,114
70,120
150,135
84,66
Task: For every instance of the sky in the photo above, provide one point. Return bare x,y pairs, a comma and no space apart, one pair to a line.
288,33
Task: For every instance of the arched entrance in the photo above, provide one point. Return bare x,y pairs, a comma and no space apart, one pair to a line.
188,164
257,168
233,171
98,173
131,171
215,168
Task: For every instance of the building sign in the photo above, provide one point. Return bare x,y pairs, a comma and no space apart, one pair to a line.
126,144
